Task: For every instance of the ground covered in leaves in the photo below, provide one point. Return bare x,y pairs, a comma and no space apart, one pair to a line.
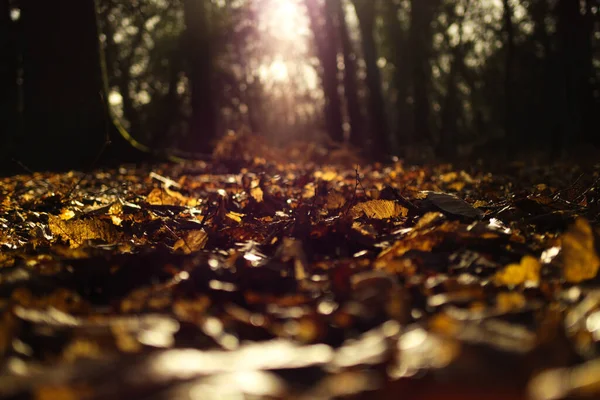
258,277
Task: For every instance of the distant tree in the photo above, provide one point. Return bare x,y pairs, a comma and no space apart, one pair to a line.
199,53
355,115
451,111
509,43
400,57
8,77
421,39
325,40
366,12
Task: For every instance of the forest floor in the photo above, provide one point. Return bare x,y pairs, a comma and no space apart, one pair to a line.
269,275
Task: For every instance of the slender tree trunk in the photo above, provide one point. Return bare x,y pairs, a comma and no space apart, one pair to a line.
8,82
365,11
543,74
64,117
421,37
589,80
202,129
355,116
401,61
509,128
568,18
326,45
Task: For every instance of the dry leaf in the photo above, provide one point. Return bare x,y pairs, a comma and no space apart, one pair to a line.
191,241
379,209
579,256
168,197
237,217
78,232
257,194
335,200
528,270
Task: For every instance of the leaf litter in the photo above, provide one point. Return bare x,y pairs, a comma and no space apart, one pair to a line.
280,275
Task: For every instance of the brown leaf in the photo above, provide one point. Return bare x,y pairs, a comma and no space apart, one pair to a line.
581,262
191,241
335,200
77,232
379,209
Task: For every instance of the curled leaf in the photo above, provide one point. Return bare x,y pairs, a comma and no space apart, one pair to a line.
581,262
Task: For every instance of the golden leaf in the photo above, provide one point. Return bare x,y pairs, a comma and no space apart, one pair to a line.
515,274
237,217
66,214
510,301
168,197
379,209
257,194
77,232
579,256
192,241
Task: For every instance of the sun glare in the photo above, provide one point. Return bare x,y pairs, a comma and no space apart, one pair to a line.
285,35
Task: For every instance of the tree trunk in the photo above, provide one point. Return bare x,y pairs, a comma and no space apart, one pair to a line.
64,117
568,17
202,129
8,81
509,128
365,11
589,81
325,43
355,116
400,79
421,37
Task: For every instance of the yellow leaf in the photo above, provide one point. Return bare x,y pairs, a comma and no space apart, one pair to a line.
191,241
528,270
379,209
78,232
579,256
237,217
510,301
66,214
257,194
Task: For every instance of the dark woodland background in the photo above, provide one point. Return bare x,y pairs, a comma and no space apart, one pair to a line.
414,78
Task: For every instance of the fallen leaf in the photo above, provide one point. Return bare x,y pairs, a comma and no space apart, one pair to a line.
191,241
528,270
379,209
335,200
78,232
453,205
581,262
257,194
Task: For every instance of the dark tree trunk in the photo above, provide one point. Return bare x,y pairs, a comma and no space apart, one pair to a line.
64,117
365,11
355,116
401,61
568,19
202,130
421,37
589,80
8,82
509,31
450,108
325,42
